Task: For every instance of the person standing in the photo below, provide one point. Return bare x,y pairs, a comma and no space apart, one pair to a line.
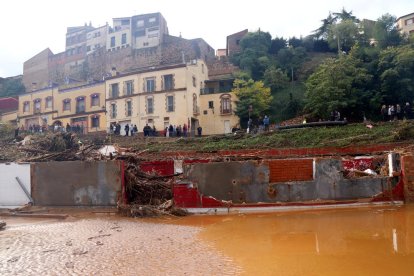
266,123
384,112
408,111
126,128
398,112
199,130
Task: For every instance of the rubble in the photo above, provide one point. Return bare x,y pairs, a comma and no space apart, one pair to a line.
2,224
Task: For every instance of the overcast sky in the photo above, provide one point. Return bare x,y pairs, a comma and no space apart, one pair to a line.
30,26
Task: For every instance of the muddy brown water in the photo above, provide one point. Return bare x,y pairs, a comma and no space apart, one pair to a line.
358,241
363,241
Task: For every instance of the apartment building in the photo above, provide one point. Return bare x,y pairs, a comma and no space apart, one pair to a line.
406,24
217,106
119,35
82,105
36,107
157,96
96,39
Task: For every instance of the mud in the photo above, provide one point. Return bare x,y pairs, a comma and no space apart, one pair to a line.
365,241
107,246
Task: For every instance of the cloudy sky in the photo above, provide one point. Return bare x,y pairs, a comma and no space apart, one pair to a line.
30,26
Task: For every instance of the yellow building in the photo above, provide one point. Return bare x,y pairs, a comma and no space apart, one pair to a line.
217,106
406,23
157,96
82,105
36,108
9,117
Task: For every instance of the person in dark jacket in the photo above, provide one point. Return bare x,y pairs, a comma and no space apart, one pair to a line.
126,128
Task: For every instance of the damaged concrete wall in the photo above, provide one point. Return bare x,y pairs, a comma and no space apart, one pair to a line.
11,194
248,182
76,183
235,181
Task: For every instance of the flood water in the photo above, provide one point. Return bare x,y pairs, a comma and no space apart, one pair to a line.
363,241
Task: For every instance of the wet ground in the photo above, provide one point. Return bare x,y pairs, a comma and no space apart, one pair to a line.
365,241
107,246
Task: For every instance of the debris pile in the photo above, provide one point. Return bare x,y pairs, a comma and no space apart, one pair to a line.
147,194
56,147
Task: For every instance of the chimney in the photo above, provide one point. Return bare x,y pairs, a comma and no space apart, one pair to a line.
34,84
114,72
183,57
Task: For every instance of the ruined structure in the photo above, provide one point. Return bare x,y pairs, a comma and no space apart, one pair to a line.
131,43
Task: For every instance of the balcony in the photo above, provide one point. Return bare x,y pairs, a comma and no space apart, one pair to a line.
37,111
196,110
215,90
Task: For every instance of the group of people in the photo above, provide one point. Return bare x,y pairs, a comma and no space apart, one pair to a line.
115,128
262,125
396,112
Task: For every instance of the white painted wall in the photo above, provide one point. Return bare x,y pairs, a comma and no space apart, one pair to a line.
11,194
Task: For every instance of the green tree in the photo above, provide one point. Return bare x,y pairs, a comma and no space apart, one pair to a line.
343,35
251,93
396,74
12,87
254,56
275,78
339,84
386,32
290,59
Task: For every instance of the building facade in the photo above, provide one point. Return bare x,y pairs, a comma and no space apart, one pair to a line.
406,24
82,106
157,96
217,106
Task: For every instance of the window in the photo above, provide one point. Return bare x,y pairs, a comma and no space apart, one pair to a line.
113,111
125,22
153,29
80,104
225,104
145,44
124,39
152,35
210,104
150,105
95,121
128,108
95,100
202,68
37,105
140,33
194,81
409,21
195,107
49,101
168,82
113,41
170,103
140,23
152,20
88,48
66,105
150,84
129,88
114,93
26,106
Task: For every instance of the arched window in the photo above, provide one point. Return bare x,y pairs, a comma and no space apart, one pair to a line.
95,99
225,104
